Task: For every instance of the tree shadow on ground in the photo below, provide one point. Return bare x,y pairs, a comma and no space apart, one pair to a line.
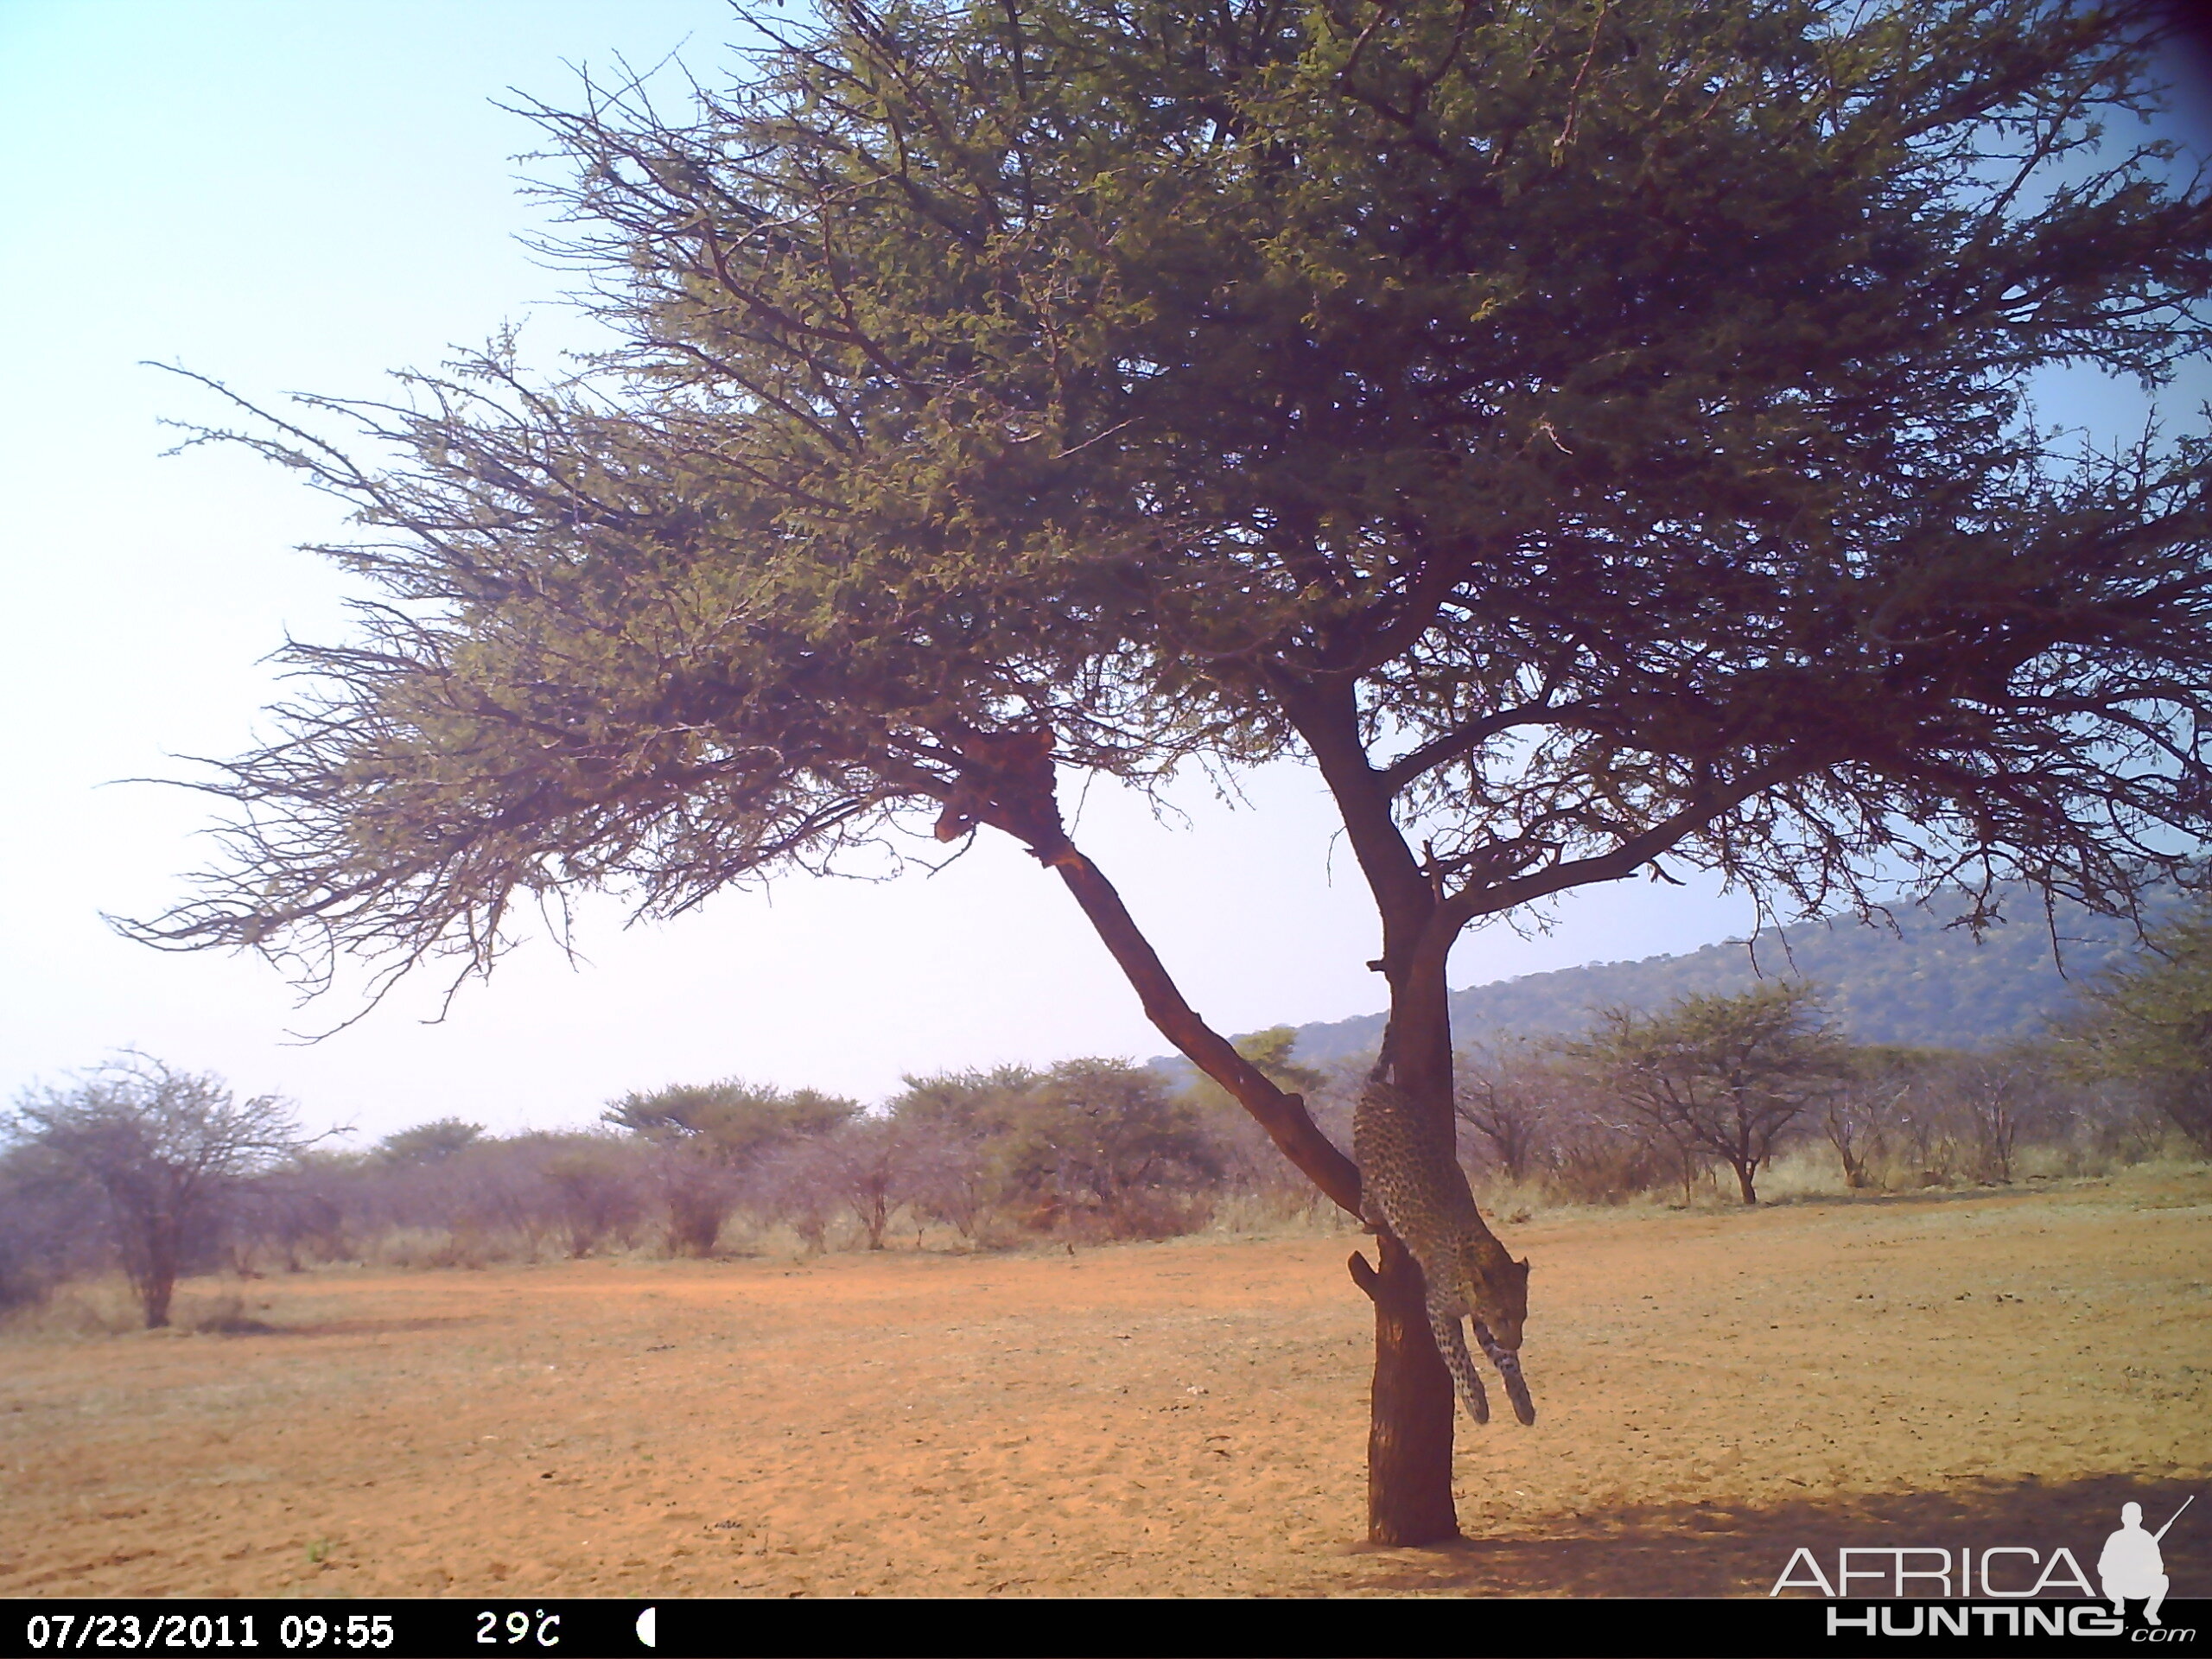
370,1327
1703,1550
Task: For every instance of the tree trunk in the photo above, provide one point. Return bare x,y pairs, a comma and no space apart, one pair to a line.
1409,1441
159,1284
1410,1409
1854,1168
1744,1172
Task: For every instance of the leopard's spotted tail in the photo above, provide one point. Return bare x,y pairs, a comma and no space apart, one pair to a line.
1509,1367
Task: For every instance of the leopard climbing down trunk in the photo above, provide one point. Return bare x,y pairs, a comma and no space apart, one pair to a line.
1411,1184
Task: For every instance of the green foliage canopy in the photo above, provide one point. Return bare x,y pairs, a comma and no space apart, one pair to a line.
429,1143
1095,1133
1589,437
1092,1143
731,1123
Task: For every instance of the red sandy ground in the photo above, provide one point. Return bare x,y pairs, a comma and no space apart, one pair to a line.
1184,1418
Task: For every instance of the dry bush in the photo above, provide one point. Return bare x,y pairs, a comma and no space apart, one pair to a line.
52,1225
222,1313
598,1192
1275,1213
787,1188
2116,1124
169,1152
954,1184
100,1304
292,1218
1541,1119
1513,1094
713,1141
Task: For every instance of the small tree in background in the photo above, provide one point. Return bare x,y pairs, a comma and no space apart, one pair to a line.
1105,1147
2151,1025
957,1116
1998,1097
710,1135
1724,1077
1516,1093
869,1164
166,1148
1862,1116
429,1144
297,1213
595,1190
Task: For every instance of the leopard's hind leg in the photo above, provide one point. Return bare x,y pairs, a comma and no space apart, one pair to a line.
1509,1367
1464,1376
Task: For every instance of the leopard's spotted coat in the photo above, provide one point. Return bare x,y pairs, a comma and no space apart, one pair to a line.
1410,1183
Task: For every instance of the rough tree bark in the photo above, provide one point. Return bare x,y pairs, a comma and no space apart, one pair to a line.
1410,1417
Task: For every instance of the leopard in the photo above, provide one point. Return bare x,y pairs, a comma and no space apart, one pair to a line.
1411,1184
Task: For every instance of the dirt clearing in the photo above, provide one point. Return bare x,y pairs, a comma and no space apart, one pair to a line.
1184,1418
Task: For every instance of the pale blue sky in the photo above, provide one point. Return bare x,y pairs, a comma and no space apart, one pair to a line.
303,196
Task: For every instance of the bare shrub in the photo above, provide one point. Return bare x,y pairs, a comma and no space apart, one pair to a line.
1867,1117
1996,1098
223,1313
1513,1093
789,1185
294,1216
53,1224
597,1191
953,1180
100,1305
1544,1119
2116,1124
166,1149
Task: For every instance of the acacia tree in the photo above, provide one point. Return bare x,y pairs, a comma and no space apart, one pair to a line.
1724,1077
1589,438
955,1117
431,1143
165,1148
871,1165
1106,1146
709,1135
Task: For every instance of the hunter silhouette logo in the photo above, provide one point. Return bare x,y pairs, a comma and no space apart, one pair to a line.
2130,1567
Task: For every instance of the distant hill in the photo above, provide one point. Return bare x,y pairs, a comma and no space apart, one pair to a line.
1926,983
